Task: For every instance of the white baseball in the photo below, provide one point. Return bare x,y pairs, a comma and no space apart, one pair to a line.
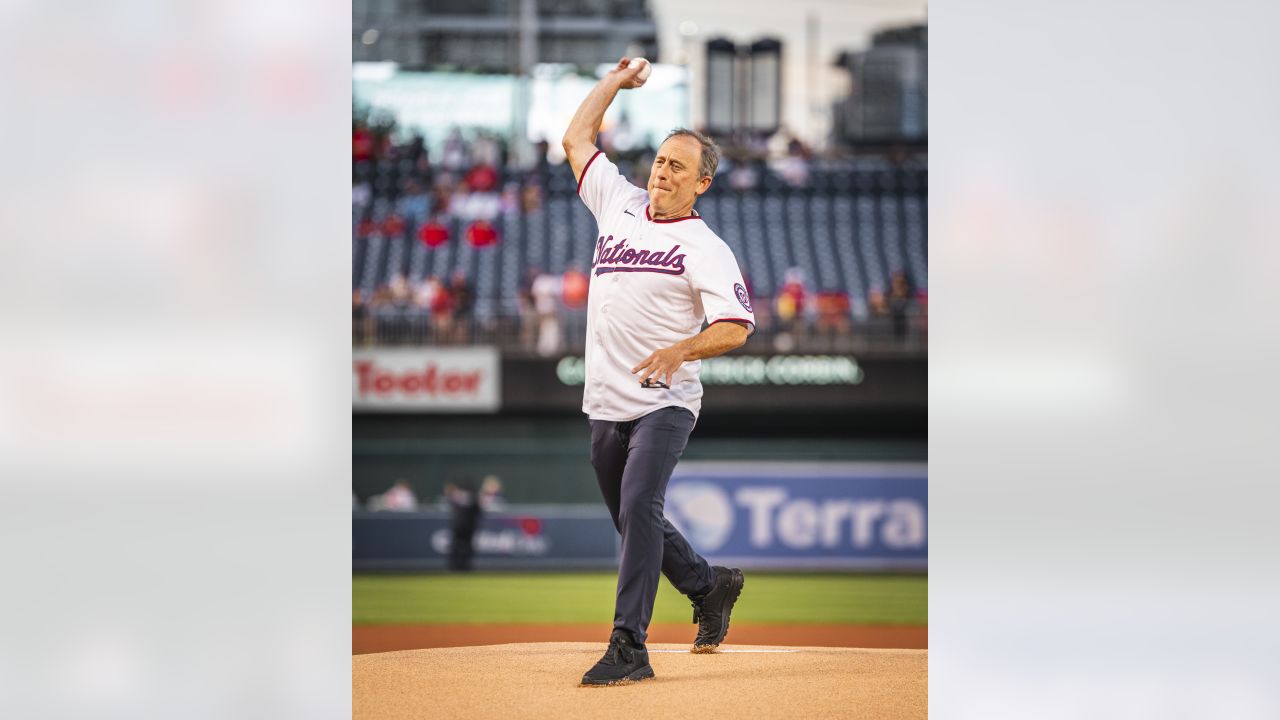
645,71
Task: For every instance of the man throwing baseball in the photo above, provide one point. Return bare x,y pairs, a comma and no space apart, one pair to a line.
657,275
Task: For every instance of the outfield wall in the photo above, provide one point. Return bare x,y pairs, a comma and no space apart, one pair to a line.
847,516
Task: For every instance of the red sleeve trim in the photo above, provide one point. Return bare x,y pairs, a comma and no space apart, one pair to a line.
587,167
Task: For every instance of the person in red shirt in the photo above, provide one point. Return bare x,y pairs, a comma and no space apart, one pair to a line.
393,226
833,316
574,286
442,306
361,143
482,178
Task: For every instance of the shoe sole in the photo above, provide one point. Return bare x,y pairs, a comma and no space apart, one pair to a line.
734,592
644,673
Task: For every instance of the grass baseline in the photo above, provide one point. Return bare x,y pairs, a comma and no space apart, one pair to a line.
584,597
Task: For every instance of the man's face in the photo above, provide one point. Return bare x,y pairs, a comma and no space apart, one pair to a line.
674,181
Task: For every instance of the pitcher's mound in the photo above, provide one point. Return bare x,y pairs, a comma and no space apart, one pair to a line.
540,680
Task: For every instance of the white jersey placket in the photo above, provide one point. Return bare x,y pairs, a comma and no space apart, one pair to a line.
611,290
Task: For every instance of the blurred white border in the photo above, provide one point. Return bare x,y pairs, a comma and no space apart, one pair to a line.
1104,259
174,403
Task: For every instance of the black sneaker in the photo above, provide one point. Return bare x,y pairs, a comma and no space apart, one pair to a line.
711,611
624,662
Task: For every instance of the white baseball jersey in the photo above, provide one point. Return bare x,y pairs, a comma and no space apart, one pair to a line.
653,284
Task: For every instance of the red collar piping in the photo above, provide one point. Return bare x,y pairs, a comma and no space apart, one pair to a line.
650,218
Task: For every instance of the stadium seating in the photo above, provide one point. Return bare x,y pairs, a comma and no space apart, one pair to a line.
850,229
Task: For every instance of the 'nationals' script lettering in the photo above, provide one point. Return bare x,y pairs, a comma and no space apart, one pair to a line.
620,258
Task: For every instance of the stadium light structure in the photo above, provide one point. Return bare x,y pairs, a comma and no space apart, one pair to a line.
722,84
744,87
764,99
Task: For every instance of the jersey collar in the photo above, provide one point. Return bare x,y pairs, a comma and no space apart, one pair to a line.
650,218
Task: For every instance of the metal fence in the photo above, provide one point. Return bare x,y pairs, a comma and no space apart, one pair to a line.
566,332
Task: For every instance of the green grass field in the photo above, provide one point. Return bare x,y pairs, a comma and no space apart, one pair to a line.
588,597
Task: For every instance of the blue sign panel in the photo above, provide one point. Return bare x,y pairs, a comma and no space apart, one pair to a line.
517,538
841,516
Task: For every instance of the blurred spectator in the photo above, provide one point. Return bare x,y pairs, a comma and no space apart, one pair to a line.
744,176
361,195
486,149
415,148
413,203
833,314
464,506
878,322
541,166
401,294
442,194
509,200
361,320
793,167
756,144
422,165
425,291
901,303
365,228
399,498
526,307
491,494
575,285
791,307
481,178
546,293
476,205
442,309
482,233
454,153
393,226
463,304
433,233
792,297
530,197
361,143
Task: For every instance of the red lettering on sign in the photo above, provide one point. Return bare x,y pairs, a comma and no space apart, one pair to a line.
429,381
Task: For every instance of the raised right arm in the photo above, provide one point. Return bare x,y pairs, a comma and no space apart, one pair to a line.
580,139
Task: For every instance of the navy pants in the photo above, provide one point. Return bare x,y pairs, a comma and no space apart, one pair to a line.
633,462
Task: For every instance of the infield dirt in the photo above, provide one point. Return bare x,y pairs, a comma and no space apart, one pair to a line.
540,680
385,638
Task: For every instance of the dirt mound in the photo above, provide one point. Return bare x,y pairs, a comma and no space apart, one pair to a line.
540,680
385,638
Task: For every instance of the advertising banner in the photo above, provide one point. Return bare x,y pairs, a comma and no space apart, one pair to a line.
427,379
521,537
794,516
799,384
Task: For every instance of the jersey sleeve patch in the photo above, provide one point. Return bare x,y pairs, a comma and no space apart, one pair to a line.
742,296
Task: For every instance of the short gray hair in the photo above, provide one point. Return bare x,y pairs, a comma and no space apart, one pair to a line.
710,151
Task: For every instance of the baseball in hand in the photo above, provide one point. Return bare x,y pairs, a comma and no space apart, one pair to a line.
646,68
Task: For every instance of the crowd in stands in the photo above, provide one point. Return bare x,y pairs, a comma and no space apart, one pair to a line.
400,191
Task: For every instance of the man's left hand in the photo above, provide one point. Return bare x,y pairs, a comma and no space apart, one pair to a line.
660,363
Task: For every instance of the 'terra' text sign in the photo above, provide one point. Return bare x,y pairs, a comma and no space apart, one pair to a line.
804,515
426,379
